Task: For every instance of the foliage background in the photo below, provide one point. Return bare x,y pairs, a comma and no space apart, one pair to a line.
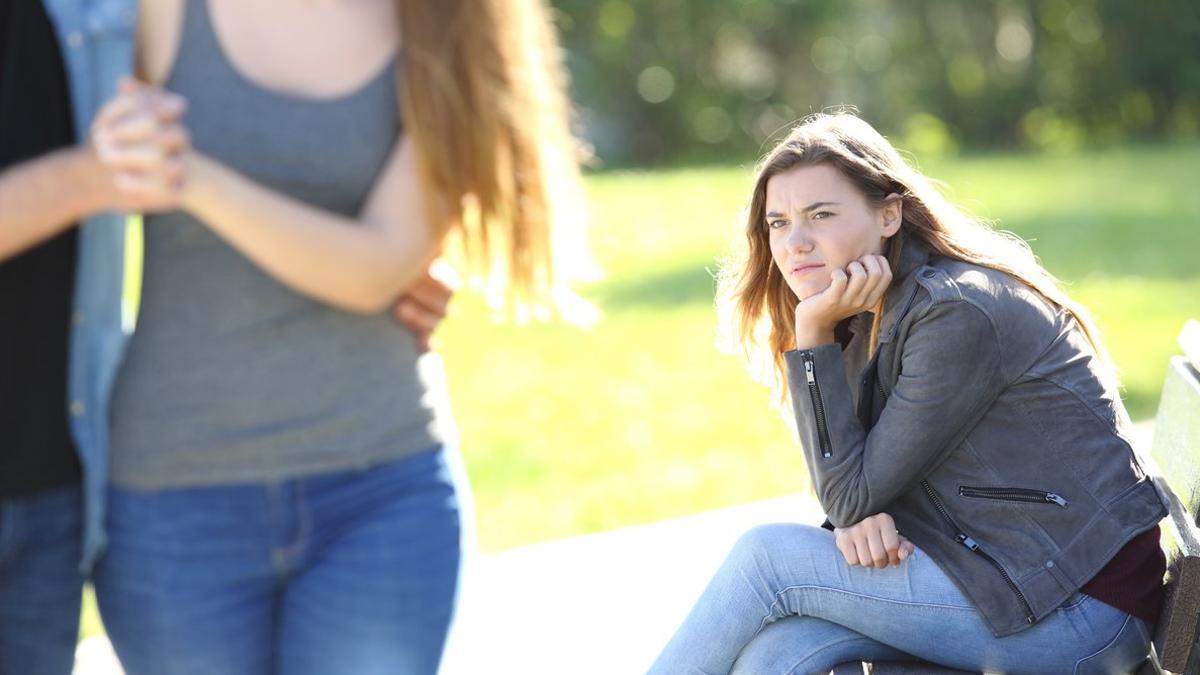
670,81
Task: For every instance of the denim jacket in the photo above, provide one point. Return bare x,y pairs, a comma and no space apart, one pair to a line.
984,426
96,37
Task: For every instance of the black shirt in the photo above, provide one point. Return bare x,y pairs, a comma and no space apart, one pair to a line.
36,451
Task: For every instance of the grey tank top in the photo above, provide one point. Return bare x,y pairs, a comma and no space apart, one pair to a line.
232,376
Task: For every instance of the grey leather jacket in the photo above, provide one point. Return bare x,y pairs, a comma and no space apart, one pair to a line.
984,427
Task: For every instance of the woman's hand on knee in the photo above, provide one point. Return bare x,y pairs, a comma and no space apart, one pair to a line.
873,542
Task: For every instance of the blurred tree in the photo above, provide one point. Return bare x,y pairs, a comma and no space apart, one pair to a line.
677,81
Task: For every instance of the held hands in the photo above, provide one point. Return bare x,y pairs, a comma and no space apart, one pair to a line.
873,542
852,290
139,140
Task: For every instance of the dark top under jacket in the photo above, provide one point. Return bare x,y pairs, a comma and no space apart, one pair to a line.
36,452
986,427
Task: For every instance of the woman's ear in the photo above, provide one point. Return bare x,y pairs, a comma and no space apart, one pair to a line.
892,214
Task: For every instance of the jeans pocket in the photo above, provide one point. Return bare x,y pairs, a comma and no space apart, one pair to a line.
1128,648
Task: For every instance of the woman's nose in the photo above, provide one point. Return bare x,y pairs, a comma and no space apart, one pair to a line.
798,240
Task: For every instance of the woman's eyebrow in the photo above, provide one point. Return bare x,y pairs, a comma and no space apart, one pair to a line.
810,207
817,205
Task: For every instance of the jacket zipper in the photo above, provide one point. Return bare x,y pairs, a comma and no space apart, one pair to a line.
814,392
964,539
1012,495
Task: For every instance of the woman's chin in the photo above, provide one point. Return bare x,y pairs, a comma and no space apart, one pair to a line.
806,291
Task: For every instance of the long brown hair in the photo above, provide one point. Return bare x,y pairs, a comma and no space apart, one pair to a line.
484,97
754,301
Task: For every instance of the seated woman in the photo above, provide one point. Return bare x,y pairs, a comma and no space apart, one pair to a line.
963,432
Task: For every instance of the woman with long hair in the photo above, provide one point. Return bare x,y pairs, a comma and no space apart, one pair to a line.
961,426
285,496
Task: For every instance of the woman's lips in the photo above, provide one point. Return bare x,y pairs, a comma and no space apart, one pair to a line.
807,267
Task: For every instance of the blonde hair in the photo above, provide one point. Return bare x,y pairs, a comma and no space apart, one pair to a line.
754,301
483,94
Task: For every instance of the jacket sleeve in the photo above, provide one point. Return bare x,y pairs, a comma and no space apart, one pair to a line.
950,374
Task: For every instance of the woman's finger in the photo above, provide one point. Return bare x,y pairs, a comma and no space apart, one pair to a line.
112,111
431,294
857,282
870,264
877,281
417,317
863,549
885,267
879,553
139,157
168,106
891,544
906,549
836,289
137,125
846,546
175,139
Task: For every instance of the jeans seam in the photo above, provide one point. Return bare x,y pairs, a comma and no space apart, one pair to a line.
1084,597
778,598
1113,641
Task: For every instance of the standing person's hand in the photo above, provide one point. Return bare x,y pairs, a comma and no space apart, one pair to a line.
140,143
851,291
873,542
424,304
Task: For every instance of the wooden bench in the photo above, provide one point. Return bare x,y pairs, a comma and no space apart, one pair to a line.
1175,461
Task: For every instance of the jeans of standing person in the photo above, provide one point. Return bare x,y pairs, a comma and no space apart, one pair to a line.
40,585
348,572
786,601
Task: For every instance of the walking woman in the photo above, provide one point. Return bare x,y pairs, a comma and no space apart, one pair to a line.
285,496
962,430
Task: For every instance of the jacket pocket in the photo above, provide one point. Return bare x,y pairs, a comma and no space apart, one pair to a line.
1012,494
965,540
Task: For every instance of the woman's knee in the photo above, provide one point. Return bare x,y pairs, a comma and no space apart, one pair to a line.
773,537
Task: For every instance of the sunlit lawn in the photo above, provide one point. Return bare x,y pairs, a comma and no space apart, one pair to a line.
568,431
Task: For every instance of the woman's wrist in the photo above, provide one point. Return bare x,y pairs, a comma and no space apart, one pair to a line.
809,336
200,173
94,189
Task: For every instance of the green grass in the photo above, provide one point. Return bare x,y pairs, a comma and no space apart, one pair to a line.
640,418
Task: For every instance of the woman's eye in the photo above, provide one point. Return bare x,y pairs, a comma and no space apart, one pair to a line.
776,224
822,215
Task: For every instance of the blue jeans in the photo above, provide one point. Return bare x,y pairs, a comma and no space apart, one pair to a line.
349,572
785,601
40,584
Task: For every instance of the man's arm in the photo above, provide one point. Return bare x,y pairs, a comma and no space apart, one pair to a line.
41,197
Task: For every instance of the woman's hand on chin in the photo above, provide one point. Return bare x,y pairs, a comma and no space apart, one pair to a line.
853,290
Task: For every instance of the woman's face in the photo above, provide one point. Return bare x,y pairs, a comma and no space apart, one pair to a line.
818,221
